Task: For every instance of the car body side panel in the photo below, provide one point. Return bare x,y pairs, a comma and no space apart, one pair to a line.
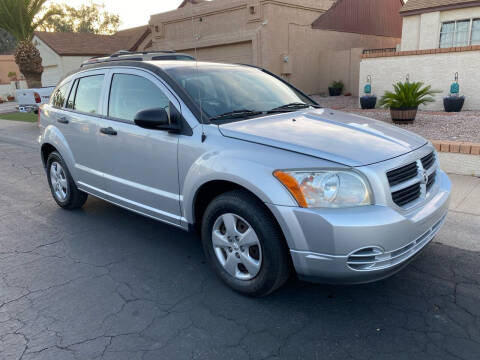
246,164
53,136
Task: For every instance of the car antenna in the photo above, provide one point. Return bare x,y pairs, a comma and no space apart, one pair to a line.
195,38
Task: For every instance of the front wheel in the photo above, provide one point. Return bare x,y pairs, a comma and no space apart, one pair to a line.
62,186
244,244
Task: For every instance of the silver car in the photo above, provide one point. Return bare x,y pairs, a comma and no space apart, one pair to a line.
273,182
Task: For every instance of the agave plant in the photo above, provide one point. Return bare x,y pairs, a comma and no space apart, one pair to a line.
408,95
20,18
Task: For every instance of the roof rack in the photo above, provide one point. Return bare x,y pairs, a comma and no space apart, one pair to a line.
138,56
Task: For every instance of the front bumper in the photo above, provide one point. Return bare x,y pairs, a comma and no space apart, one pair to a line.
363,244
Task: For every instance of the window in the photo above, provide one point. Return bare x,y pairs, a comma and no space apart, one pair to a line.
460,33
71,97
476,32
223,88
130,94
86,95
58,98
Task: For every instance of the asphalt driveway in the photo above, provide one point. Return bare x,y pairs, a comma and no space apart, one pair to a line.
104,283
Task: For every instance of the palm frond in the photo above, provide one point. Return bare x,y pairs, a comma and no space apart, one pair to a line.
408,95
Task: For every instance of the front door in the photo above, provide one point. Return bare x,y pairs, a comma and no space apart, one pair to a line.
139,165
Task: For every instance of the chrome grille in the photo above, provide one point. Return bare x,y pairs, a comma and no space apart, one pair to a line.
402,174
406,195
410,181
428,160
431,180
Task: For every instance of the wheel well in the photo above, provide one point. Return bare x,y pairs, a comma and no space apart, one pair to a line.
47,149
207,193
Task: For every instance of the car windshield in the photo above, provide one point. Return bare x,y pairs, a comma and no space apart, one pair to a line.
236,92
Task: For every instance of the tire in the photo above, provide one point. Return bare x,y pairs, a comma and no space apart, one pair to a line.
269,258
66,195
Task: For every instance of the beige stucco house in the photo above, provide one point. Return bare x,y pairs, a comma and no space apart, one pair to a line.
307,42
439,39
64,52
9,85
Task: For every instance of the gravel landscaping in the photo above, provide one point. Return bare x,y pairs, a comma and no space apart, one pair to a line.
433,125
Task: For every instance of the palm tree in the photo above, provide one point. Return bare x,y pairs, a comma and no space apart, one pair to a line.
20,18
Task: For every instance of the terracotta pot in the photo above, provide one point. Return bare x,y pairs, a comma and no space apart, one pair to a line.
10,98
453,103
403,115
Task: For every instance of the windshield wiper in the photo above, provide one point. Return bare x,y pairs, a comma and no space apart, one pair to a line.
291,106
236,114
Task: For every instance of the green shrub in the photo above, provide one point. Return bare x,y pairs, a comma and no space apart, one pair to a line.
337,84
408,95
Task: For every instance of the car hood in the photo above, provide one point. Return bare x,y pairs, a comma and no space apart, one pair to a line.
344,138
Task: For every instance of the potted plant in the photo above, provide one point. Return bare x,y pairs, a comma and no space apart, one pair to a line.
12,75
403,102
453,103
10,98
335,88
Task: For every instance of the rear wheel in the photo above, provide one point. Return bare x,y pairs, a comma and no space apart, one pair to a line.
62,186
244,244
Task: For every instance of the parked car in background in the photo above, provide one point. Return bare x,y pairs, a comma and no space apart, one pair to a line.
269,178
30,99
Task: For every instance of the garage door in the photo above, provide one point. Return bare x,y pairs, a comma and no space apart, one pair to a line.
231,53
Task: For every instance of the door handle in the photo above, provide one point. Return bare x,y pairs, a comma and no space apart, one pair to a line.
63,120
108,131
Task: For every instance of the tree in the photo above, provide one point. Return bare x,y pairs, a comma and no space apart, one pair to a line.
89,18
21,18
7,42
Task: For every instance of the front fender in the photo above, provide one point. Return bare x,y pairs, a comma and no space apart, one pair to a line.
236,167
53,136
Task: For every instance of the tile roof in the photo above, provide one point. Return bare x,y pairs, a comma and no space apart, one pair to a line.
420,6
85,44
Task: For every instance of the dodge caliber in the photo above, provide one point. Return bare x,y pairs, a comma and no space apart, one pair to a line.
273,183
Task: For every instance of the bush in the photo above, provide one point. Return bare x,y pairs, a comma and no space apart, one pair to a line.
408,95
337,84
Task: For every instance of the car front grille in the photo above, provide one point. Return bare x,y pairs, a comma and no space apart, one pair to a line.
406,182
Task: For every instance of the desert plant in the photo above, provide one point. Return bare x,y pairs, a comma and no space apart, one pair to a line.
408,95
20,19
337,84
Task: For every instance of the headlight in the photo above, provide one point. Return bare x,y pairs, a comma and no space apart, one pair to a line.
325,188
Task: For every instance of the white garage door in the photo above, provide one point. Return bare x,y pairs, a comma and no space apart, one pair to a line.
231,53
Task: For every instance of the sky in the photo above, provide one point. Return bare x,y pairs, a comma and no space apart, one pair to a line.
132,13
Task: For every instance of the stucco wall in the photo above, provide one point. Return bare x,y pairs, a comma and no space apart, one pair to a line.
422,32
432,69
55,67
320,57
10,88
7,64
229,32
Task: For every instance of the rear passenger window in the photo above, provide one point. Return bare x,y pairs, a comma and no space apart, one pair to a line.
58,97
87,94
130,94
71,97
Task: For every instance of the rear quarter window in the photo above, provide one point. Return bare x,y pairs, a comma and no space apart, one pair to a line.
58,97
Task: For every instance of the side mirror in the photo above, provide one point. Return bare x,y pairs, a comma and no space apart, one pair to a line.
156,119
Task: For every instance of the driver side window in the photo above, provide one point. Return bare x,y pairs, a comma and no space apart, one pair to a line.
130,94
